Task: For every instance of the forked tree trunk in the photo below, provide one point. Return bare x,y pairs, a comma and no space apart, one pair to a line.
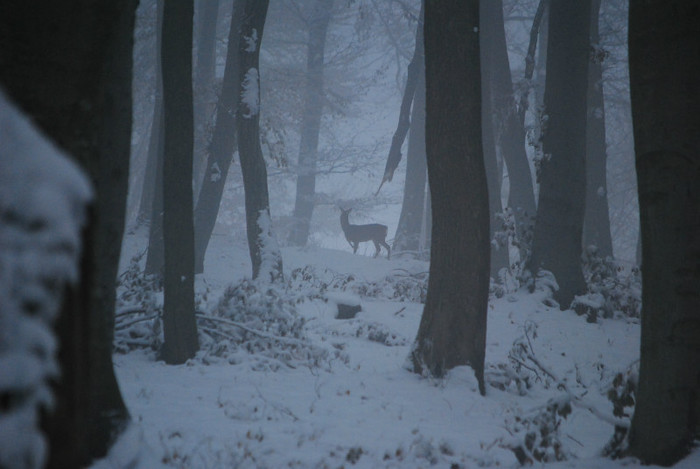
664,58
222,145
509,130
559,225
265,255
310,123
596,226
452,330
179,326
70,70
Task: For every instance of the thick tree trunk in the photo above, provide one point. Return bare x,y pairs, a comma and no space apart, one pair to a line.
222,145
310,123
206,14
664,57
264,253
179,326
69,67
453,327
559,225
408,231
596,226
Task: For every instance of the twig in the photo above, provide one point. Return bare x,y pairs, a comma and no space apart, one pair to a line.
265,335
122,326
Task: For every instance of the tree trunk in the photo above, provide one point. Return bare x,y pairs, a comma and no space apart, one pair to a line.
206,15
596,226
179,326
310,123
265,255
508,128
222,145
664,58
153,181
453,326
559,225
408,231
69,67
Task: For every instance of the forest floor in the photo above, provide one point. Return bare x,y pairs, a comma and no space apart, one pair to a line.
361,407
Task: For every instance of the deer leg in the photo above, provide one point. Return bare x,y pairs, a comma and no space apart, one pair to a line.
388,249
376,246
354,247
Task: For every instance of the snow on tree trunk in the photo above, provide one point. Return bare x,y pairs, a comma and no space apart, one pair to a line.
43,199
265,255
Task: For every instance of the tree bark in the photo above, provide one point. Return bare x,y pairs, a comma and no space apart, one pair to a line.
69,67
559,224
179,325
596,226
664,58
265,255
310,123
452,330
222,145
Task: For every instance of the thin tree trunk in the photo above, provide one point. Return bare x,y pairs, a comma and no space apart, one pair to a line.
265,255
509,128
664,59
179,326
70,69
490,114
412,76
206,15
452,330
222,145
559,225
408,231
596,226
311,123
153,182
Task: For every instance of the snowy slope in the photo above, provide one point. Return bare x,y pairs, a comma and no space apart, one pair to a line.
367,410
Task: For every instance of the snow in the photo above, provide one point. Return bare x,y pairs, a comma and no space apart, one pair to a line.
251,42
43,196
251,92
369,411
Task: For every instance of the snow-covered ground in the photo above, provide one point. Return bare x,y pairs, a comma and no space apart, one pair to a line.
368,410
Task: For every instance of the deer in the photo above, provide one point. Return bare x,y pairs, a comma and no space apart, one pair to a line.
356,234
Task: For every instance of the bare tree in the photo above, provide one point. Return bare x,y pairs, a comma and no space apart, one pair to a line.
559,224
664,59
264,252
452,330
596,226
310,122
179,326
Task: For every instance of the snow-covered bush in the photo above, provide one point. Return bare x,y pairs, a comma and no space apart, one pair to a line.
400,286
536,435
622,393
139,309
612,292
42,209
260,320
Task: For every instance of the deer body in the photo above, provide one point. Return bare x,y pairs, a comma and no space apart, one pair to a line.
356,234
